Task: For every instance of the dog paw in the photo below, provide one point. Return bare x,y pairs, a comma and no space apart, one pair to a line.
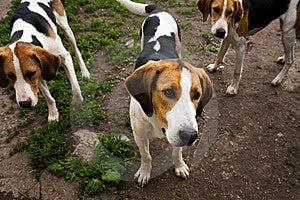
213,68
143,176
86,74
53,118
280,60
276,81
182,171
232,90
77,99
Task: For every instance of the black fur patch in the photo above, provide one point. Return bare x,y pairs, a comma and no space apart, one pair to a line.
49,12
263,12
37,20
36,42
167,44
16,36
153,9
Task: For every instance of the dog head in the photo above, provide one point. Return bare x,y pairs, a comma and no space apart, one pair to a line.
223,13
176,93
23,64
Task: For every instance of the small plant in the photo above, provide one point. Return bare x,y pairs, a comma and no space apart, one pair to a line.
102,171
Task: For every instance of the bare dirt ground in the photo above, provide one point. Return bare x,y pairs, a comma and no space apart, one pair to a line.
250,148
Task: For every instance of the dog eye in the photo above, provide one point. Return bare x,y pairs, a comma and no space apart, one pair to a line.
169,93
229,12
30,74
11,76
216,9
196,95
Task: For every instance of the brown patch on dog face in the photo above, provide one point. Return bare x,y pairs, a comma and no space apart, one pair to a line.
58,7
218,9
167,91
29,65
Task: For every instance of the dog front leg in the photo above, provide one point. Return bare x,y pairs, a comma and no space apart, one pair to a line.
216,66
288,39
240,48
181,169
52,110
143,174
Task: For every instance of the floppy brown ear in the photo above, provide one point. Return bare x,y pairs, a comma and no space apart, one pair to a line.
204,7
238,11
48,61
207,90
139,85
3,79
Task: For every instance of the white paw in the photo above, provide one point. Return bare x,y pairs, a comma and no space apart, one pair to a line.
77,99
143,176
182,170
213,68
53,117
280,60
277,80
232,90
53,113
86,74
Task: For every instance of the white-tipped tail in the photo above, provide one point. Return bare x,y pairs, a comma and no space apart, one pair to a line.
136,8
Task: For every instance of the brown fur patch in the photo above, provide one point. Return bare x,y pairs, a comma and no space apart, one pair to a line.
6,66
242,29
58,7
51,33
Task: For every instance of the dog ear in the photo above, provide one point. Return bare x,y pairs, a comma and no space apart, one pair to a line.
207,90
204,7
238,11
139,85
48,61
3,79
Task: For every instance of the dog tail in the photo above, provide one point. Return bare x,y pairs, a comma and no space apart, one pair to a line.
139,8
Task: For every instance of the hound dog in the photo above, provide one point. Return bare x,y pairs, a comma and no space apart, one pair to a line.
167,94
234,20
35,51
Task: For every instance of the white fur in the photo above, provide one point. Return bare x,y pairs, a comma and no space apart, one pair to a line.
183,113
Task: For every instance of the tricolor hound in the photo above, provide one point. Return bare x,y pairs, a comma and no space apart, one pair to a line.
166,93
35,51
234,20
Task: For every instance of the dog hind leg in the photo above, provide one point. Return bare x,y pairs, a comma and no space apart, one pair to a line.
62,22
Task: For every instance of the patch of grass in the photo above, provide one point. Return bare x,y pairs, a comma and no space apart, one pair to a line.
101,172
211,48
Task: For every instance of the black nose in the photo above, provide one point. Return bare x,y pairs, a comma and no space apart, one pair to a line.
25,104
220,33
188,136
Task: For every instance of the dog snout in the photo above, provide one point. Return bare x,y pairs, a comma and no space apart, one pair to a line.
25,104
220,33
188,136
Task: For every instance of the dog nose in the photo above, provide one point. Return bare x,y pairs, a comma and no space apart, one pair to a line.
25,104
188,136
220,33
